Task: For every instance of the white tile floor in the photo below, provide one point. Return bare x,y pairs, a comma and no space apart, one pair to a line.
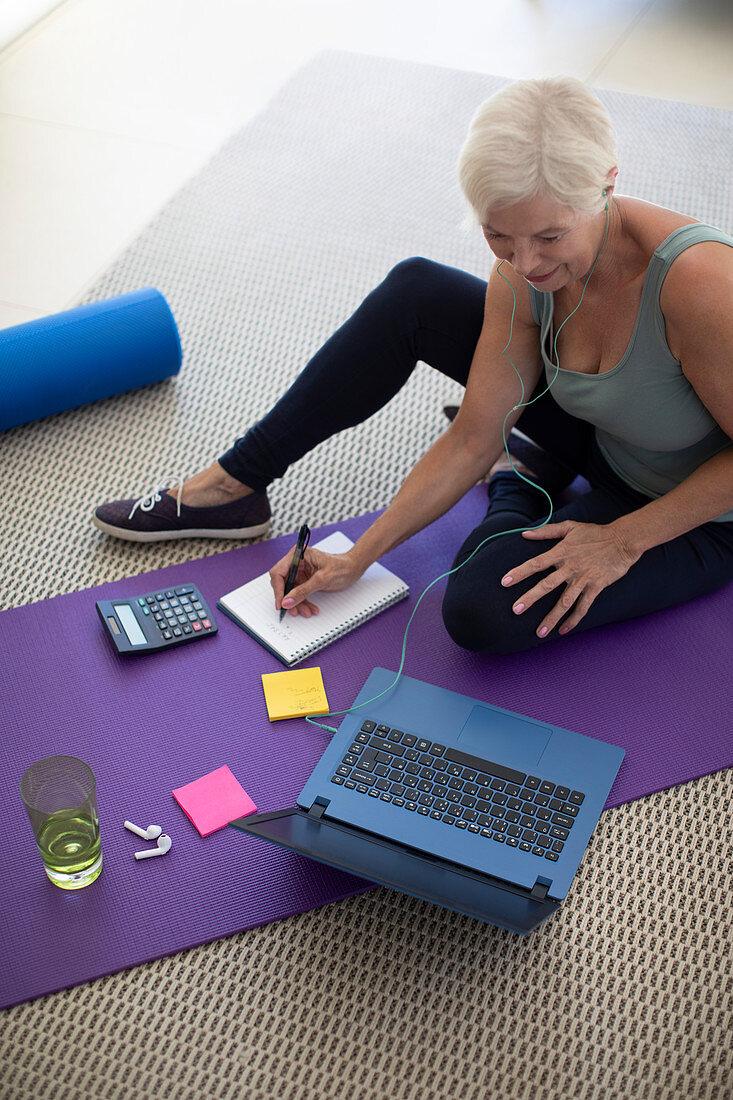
107,108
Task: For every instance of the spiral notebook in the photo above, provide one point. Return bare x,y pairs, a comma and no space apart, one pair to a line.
252,606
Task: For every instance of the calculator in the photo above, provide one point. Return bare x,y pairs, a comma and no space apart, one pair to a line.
157,620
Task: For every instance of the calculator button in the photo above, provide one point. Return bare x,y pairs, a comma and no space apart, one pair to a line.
141,602
164,605
206,624
154,606
183,590
150,599
196,626
146,610
177,632
159,596
198,605
166,634
182,619
187,629
169,593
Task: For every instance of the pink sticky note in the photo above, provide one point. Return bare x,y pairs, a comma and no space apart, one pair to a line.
214,800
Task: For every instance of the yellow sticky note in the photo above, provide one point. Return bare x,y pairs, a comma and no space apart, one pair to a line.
290,694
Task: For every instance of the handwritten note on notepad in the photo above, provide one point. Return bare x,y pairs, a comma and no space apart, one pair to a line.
252,606
291,694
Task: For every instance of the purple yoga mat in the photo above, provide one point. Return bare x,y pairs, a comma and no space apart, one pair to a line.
656,686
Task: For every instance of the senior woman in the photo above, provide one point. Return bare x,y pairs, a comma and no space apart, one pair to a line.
604,335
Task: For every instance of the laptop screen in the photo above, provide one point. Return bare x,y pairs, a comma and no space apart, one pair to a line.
388,864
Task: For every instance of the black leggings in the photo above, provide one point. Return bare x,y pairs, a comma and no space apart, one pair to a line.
427,312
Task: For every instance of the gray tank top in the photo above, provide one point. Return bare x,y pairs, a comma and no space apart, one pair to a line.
651,427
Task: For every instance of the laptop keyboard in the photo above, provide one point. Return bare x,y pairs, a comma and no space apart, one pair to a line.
460,790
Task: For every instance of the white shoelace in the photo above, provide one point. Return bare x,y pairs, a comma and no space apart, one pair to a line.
147,502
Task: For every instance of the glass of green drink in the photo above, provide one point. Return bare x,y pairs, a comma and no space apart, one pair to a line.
60,795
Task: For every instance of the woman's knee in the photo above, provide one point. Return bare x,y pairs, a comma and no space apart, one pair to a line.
414,279
484,625
402,297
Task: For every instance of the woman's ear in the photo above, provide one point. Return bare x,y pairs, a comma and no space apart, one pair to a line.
610,184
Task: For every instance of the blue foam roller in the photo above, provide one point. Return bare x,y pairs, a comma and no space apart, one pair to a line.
86,354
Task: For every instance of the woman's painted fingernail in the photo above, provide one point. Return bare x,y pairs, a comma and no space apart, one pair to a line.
507,579
287,602
518,608
542,631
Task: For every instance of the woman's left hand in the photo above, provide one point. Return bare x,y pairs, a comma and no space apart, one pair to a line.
586,560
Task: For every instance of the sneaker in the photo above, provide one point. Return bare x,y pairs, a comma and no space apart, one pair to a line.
549,472
158,516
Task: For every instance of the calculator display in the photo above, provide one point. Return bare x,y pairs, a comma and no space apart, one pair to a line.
130,624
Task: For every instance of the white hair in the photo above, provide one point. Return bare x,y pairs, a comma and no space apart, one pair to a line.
550,137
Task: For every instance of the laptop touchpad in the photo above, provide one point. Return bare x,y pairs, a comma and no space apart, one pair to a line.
504,738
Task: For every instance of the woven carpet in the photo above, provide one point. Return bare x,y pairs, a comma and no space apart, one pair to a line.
627,992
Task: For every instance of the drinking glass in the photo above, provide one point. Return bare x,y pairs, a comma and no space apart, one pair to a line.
60,796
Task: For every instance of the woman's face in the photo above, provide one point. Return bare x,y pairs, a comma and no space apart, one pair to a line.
548,244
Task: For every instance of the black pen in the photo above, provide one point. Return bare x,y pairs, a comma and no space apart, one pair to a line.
304,535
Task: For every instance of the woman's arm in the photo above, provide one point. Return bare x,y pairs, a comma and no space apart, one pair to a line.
456,460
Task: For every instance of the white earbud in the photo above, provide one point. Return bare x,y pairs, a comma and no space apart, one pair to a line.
151,833
164,845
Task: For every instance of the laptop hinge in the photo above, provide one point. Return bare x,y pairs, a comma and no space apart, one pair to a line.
540,888
319,808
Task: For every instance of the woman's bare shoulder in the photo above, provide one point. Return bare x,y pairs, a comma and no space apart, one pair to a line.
649,224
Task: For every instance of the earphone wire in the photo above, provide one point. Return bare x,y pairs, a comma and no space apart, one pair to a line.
522,404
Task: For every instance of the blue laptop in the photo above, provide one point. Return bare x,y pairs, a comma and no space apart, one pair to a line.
452,800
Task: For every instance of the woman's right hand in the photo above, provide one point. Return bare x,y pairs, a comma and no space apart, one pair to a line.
317,572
